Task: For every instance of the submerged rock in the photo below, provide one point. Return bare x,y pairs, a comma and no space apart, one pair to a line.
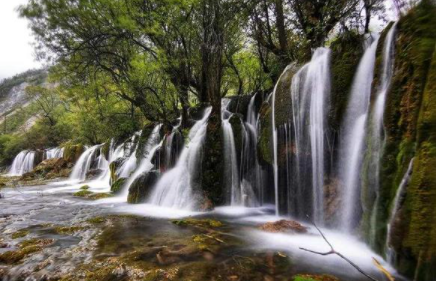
283,226
142,186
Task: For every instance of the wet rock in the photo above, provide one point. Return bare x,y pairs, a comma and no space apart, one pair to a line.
114,167
141,187
93,174
49,168
283,226
116,187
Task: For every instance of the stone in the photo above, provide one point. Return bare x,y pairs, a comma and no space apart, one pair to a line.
283,226
140,189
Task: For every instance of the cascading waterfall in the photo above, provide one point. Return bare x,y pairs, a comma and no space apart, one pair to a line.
83,164
399,196
22,163
153,143
176,187
377,131
230,157
250,170
129,164
353,136
52,153
310,93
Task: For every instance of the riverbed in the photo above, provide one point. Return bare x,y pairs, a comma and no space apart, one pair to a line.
54,235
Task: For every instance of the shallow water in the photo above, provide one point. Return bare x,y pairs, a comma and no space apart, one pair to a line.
39,210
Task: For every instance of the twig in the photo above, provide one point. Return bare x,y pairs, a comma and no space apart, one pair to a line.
333,252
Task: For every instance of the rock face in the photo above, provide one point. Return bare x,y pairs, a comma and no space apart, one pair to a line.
410,125
142,186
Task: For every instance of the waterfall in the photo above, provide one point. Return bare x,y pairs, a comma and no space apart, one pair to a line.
56,152
377,130
84,163
399,196
23,163
353,136
176,187
251,172
129,164
153,143
310,101
275,143
230,157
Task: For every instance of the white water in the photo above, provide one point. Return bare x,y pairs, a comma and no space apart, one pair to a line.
22,163
230,158
251,171
390,253
150,148
377,133
83,164
129,164
175,188
275,143
310,101
56,152
353,136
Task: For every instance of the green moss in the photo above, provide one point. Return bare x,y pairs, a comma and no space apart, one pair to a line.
27,248
264,145
310,277
82,193
347,51
209,223
85,187
68,229
116,186
72,152
96,220
20,234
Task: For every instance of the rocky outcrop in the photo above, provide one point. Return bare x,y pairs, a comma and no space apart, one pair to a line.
140,189
49,169
117,185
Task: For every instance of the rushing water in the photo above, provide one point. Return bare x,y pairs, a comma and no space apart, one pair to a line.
56,152
176,187
353,136
23,163
310,102
83,164
152,144
399,196
377,130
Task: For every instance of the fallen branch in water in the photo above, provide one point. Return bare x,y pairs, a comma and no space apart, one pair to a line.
333,252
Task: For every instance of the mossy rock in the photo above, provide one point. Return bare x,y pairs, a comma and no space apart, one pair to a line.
116,187
236,121
210,185
207,223
239,105
20,234
82,193
26,248
264,144
347,50
68,230
85,187
140,189
283,101
72,152
114,167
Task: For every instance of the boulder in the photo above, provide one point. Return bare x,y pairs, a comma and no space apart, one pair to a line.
50,168
72,152
114,167
140,189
